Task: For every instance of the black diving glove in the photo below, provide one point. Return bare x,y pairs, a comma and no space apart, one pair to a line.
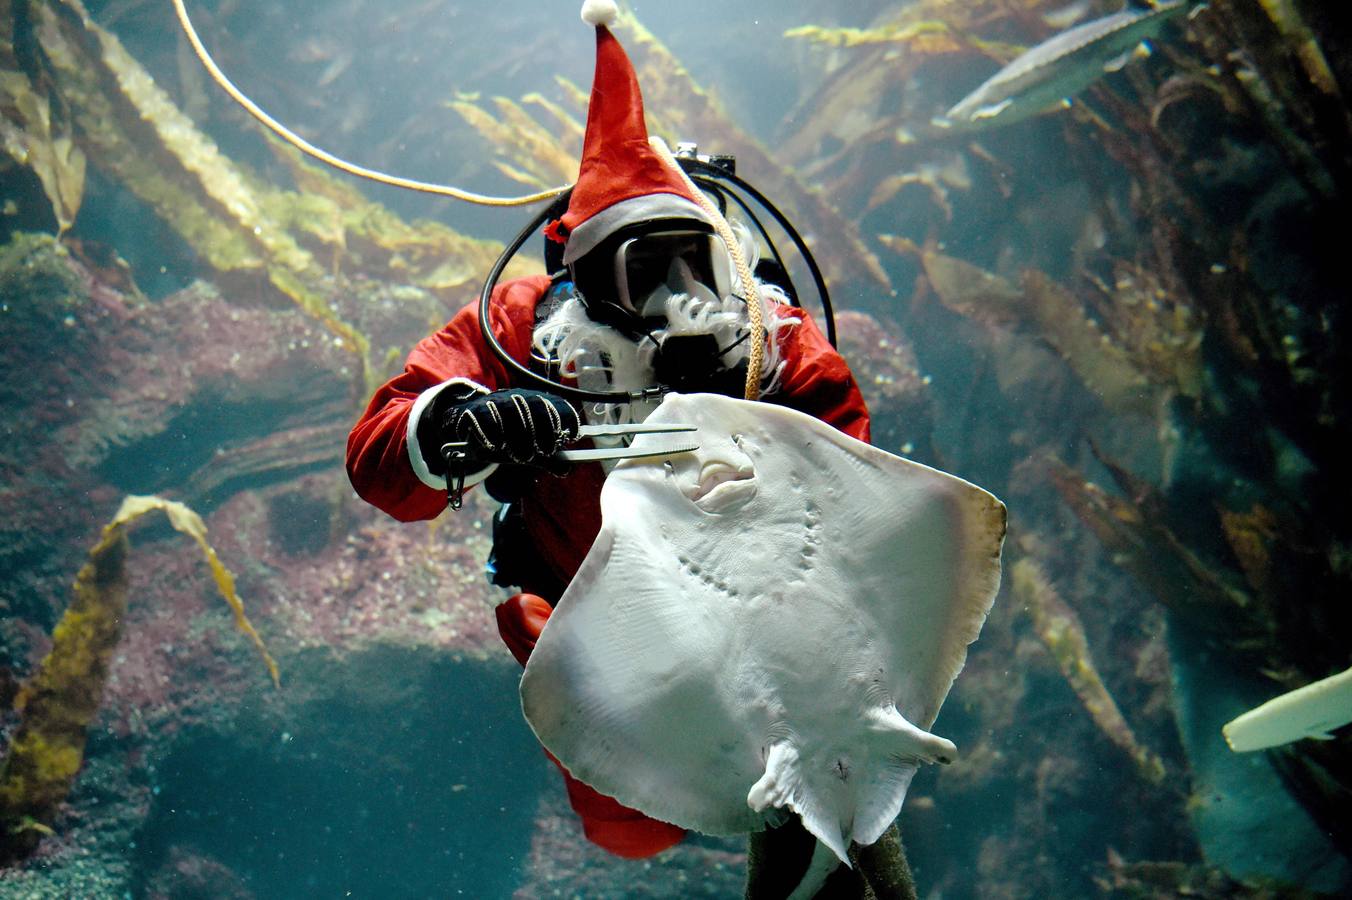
511,426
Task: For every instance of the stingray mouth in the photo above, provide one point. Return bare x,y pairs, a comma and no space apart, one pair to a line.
723,486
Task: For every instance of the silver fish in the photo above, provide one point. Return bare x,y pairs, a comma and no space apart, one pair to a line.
1060,67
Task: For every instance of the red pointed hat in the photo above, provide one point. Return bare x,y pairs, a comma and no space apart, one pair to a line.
622,180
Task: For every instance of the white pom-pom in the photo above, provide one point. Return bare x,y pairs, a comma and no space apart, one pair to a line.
599,12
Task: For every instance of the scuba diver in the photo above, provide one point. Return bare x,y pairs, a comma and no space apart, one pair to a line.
644,296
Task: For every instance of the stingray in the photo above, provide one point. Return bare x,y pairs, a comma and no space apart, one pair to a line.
766,625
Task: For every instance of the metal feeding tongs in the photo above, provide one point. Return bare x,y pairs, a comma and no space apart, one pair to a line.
593,431
460,461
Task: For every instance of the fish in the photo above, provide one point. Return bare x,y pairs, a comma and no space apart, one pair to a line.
766,625
1049,74
1312,711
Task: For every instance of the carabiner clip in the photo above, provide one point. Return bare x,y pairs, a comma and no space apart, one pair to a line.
456,457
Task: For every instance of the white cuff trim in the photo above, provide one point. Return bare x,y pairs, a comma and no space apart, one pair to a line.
415,457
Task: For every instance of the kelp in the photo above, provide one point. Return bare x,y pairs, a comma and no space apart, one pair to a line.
923,39
937,180
35,127
1155,324
236,223
58,702
1132,343
540,160
873,101
1142,543
1201,292
1265,51
1102,364
691,113
1040,307
568,128
1251,536
34,138
1292,27
1267,547
1061,631
957,16
332,214
929,37
130,128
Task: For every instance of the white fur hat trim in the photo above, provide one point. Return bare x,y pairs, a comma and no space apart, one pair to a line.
599,12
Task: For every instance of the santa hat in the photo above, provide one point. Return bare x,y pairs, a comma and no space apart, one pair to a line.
622,180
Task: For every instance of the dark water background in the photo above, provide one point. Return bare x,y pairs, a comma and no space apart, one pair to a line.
394,763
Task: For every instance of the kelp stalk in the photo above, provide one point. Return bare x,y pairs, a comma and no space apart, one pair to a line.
1063,634
62,697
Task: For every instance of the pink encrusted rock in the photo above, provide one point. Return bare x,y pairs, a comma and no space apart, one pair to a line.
562,863
897,394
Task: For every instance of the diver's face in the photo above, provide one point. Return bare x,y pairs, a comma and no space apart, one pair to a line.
650,268
639,269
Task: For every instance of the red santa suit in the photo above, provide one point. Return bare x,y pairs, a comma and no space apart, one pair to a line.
622,182
562,514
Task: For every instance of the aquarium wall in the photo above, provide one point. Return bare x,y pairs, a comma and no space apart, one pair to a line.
1120,310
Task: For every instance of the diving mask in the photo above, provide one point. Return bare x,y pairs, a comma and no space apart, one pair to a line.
650,268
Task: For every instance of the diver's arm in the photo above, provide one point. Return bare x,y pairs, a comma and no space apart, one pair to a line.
817,381
385,462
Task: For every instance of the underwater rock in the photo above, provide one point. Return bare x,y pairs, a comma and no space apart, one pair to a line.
186,875
381,770
1237,797
899,401
396,718
160,390
52,319
562,863
87,857
199,375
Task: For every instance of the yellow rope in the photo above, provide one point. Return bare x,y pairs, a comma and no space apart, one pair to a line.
755,313
324,156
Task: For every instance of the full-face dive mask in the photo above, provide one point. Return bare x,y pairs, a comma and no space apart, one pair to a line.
651,268
629,279
626,281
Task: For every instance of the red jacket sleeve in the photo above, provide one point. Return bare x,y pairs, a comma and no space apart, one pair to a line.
378,462
817,381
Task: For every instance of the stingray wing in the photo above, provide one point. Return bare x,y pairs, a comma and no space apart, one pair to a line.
926,554
620,685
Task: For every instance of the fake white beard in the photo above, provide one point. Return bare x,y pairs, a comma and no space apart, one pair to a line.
603,359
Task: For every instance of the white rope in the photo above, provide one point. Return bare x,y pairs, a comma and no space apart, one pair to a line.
327,158
755,360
